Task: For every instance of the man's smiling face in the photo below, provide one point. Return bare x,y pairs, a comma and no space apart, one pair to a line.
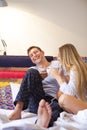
35,55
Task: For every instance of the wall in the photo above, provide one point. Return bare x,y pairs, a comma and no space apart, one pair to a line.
65,21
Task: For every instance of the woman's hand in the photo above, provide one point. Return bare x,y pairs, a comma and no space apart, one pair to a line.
58,74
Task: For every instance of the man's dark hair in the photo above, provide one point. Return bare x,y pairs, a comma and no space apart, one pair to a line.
30,48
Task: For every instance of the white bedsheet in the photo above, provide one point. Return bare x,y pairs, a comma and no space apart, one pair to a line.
66,121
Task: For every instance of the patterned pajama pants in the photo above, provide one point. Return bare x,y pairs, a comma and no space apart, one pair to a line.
31,92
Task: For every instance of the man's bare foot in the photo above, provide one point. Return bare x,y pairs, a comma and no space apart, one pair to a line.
17,112
44,114
15,115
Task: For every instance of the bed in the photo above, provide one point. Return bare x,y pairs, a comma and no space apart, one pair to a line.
12,70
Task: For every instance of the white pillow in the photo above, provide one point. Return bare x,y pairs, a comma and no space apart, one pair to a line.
15,88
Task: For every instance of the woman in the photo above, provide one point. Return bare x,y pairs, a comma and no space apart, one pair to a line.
72,96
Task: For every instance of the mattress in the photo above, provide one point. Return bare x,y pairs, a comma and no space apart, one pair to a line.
66,121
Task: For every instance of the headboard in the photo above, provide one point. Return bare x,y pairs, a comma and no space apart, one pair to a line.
18,61
16,66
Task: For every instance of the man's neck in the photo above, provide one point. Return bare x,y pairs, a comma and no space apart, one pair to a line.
43,64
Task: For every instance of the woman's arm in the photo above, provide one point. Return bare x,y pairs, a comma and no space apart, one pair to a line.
68,85
58,74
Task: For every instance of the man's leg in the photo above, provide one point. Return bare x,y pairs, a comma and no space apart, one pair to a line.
36,92
30,93
44,114
56,110
17,112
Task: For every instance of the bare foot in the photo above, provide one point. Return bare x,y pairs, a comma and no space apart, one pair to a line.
15,115
44,114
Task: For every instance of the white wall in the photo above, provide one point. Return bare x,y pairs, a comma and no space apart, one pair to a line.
64,21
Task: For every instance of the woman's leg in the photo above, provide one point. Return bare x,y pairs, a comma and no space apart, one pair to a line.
71,104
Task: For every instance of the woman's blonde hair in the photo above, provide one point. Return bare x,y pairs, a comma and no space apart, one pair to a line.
71,58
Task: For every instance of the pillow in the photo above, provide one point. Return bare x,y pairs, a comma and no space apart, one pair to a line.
14,88
14,80
6,100
8,92
2,84
12,73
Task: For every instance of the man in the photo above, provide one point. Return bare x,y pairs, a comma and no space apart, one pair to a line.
36,85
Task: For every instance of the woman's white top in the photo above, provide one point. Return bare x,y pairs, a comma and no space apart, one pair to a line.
70,87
